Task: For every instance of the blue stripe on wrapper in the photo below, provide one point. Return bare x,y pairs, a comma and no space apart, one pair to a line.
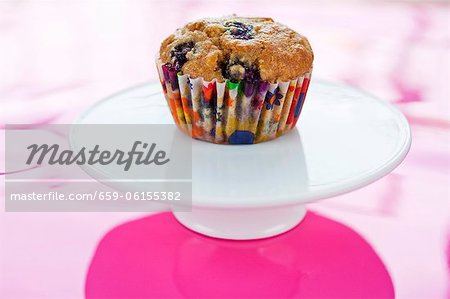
298,108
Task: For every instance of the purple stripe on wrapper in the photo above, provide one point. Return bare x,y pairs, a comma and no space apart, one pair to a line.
249,88
170,75
263,86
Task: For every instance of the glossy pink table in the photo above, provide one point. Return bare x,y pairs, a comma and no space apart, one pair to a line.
319,259
393,237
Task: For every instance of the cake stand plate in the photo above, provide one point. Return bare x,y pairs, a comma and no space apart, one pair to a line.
345,139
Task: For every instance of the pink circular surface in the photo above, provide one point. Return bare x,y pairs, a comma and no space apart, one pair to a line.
155,257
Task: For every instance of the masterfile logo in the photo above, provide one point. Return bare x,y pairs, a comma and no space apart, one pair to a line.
97,168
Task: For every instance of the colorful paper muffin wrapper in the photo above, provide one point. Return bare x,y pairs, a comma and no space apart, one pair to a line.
233,113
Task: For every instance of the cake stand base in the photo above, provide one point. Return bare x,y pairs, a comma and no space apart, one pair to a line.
246,224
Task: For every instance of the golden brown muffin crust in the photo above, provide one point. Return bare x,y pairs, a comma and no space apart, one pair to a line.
224,48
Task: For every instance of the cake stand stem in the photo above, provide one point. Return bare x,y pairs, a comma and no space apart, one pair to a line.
246,224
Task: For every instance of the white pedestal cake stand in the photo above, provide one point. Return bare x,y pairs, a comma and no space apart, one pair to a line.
345,139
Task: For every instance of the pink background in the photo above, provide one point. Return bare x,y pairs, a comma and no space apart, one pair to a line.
59,57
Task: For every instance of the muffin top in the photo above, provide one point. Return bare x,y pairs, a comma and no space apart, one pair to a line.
237,48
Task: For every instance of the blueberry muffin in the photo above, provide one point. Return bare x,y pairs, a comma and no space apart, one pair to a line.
235,80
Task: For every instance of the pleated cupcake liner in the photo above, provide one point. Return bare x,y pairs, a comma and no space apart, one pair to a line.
233,113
